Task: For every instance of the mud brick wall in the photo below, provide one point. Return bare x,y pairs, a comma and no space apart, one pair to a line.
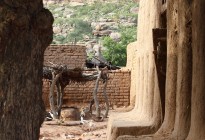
71,55
80,94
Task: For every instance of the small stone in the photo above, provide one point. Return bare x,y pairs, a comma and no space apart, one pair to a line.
58,135
46,139
97,135
70,137
56,30
70,114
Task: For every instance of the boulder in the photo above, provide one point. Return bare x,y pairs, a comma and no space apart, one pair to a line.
115,36
134,10
70,114
59,9
102,33
56,29
98,27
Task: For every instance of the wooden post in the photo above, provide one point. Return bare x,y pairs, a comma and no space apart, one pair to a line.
58,92
60,103
106,99
95,94
51,95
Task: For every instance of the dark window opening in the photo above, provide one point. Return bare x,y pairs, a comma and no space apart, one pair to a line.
163,20
164,1
160,52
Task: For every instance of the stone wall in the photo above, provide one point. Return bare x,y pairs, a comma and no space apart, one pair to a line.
79,94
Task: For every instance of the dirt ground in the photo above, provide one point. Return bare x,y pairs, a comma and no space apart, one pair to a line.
55,130
78,132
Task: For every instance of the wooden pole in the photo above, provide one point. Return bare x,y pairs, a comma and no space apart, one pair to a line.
95,94
51,95
106,98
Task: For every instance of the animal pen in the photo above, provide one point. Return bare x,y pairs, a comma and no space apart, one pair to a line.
60,76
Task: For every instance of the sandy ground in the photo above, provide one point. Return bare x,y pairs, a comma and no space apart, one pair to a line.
55,130
78,132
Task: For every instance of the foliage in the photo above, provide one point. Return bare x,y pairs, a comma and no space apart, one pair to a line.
83,15
78,24
115,52
81,28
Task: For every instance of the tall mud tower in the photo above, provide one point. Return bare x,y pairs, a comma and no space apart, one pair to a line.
168,74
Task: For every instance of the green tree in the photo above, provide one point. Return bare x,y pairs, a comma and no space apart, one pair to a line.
115,52
81,28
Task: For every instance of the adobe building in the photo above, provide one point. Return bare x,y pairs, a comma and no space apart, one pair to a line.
167,74
79,94
167,78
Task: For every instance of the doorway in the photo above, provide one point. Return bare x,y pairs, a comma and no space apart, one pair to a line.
160,52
